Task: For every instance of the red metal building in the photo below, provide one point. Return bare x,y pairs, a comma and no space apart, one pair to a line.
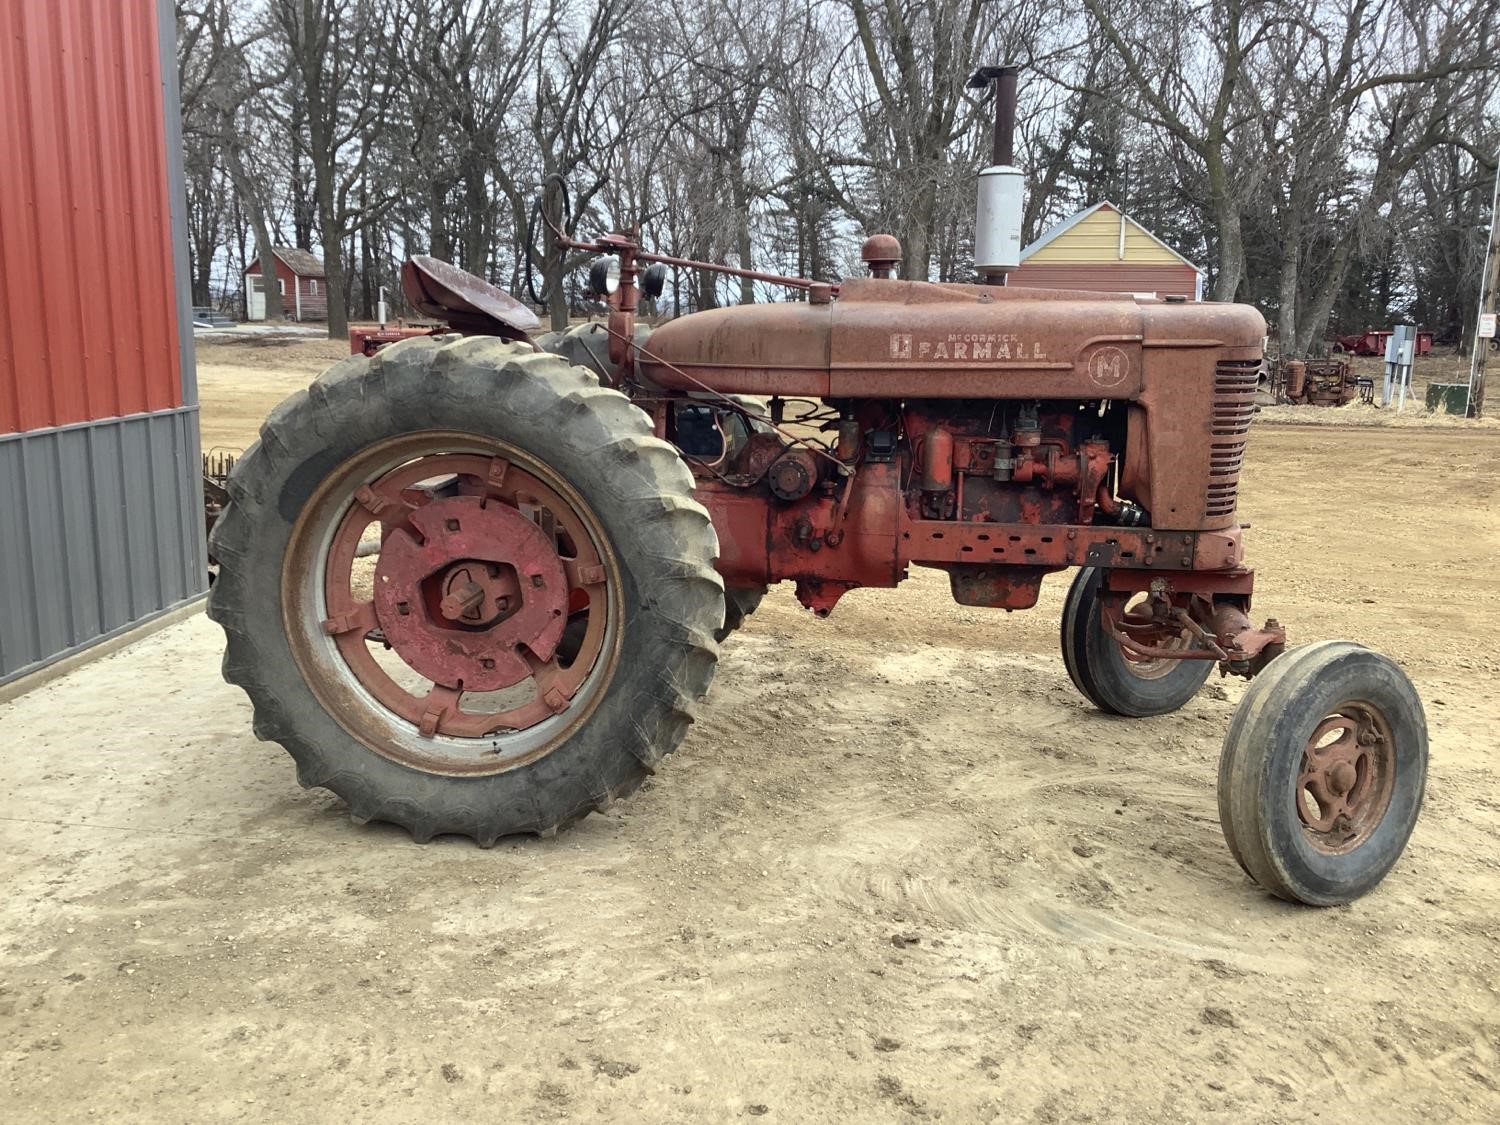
300,278
100,511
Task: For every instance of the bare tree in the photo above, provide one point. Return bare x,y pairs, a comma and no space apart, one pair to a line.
342,79
572,135
916,58
1300,149
220,94
468,63
1427,64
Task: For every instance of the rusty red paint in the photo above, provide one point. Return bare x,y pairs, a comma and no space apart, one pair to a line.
1296,378
1006,587
1372,341
1187,368
999,434
501,530
1239,581
1241,640
1315,382
881,254
468,303
1177,625
937,460
367,339
446,543
1349,772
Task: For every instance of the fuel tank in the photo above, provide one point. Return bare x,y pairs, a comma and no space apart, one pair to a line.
917,339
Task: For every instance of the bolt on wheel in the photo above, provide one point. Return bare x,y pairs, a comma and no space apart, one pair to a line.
484,619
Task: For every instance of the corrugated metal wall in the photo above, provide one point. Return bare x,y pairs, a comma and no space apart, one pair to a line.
86,280
96,532
100,505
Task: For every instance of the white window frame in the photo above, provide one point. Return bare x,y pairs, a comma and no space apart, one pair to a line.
312,287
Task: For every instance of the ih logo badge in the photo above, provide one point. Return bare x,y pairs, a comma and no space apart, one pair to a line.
900,345
1108,368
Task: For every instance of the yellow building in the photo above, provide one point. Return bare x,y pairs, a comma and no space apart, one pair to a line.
1102,250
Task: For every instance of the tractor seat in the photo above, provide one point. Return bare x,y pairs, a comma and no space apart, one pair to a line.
470,304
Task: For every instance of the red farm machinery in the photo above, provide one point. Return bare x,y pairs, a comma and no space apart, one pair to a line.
1373,341
476,582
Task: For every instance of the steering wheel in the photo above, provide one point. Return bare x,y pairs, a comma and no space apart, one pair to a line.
538,211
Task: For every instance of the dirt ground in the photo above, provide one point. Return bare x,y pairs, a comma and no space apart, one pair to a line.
899,870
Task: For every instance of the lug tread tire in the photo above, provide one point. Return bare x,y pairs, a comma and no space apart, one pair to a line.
642,494
1267,738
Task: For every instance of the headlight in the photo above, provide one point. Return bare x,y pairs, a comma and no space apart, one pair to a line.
653,280
604,276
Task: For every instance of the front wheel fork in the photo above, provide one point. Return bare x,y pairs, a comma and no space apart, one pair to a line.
1247,650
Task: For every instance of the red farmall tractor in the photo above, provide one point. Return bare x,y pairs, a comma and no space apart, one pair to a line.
476,585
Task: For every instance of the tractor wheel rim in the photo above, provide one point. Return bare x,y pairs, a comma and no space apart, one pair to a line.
1171,637
486,629
1347,777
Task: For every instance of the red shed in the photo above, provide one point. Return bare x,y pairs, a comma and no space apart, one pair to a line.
1102,250
304,290
101,507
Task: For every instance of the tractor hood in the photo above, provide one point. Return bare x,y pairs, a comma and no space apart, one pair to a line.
902,339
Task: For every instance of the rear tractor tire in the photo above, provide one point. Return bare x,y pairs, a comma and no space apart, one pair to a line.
467,589
1323,772
1100,669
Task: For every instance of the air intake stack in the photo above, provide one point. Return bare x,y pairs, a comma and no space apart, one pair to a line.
997,216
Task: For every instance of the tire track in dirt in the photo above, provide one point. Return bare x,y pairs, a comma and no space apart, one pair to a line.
900,842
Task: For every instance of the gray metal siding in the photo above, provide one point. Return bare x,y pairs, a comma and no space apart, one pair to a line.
101,527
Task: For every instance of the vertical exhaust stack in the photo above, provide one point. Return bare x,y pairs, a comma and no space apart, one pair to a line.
997,215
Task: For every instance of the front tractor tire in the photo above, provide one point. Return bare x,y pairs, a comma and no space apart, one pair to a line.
739,603
1114,682
1323,772
467,589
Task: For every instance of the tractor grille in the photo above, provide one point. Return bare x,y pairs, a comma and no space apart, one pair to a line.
1235,381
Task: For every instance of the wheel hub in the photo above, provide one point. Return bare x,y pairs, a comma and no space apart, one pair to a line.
1346,780
1341,778
474,585
478,593
1148,623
